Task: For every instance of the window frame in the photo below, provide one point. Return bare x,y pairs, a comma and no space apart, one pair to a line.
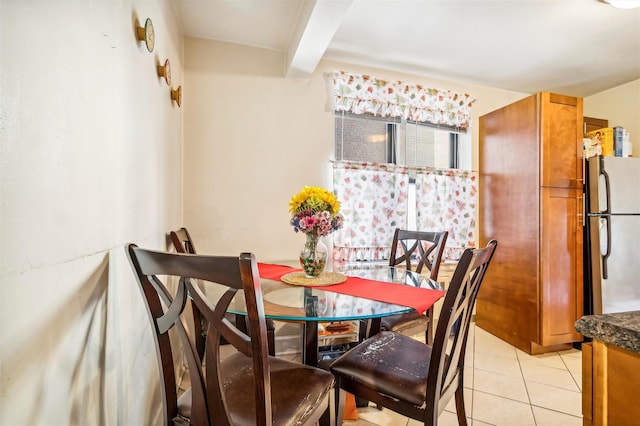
392,139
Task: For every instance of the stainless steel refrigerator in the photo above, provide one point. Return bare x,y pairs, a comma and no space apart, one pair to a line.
612,237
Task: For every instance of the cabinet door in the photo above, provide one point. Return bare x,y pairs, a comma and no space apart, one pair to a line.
591,124
615,385
587,384
561,140
561,289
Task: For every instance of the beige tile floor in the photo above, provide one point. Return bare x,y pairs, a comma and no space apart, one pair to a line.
505,386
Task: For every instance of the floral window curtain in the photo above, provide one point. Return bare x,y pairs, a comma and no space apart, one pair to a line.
373,200
446,200
361,94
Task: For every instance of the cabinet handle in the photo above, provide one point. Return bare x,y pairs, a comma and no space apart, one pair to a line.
581,215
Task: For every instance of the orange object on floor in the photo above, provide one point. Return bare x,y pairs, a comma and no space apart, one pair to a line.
350,410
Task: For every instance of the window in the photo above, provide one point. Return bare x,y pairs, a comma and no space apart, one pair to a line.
428,185
387,140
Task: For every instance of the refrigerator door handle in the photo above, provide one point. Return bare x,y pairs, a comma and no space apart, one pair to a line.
607,190
605,256
607,193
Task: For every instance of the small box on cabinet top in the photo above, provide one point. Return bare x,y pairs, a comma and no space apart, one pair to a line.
604,138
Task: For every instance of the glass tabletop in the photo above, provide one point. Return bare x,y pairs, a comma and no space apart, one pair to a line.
298,303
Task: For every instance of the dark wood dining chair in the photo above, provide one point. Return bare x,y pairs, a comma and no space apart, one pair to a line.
416,250
246,387
413,378
183,243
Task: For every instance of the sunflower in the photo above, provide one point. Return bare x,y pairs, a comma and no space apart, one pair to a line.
315,211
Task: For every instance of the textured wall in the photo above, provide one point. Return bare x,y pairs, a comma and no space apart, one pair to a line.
91,158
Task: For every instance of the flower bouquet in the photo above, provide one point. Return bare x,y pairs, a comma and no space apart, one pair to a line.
316,213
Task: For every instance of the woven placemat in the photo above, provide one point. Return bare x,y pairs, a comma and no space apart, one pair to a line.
327,278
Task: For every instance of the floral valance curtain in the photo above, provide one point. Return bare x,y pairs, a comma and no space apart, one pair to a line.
361,94
373,200
446,200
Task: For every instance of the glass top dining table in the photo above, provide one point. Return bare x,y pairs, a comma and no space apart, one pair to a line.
313,305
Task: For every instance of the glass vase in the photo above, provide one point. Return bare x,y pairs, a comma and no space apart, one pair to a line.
313,256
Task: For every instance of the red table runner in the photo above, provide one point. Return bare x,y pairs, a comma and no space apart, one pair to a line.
419,299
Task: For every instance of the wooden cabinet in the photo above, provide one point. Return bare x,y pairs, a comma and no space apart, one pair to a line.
610,385
561,278
530,200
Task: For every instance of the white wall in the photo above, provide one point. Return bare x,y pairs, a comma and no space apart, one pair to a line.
621,106
91,159
253,139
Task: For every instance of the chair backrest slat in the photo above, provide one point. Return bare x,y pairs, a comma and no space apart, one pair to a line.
152,294
449,347
240,275
428,246
182,241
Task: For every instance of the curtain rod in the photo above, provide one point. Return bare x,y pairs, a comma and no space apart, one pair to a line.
399,120
406,167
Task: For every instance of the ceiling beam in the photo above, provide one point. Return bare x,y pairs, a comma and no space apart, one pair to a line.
318,22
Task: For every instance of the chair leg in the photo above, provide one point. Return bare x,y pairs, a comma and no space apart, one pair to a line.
460,411
271,342
329,416
339,401
428,334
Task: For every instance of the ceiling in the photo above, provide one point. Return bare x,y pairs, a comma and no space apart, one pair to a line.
573,47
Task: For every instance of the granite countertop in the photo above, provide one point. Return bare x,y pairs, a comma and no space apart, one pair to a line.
622,329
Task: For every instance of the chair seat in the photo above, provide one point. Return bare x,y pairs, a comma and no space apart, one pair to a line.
290,382
410,323
389,363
